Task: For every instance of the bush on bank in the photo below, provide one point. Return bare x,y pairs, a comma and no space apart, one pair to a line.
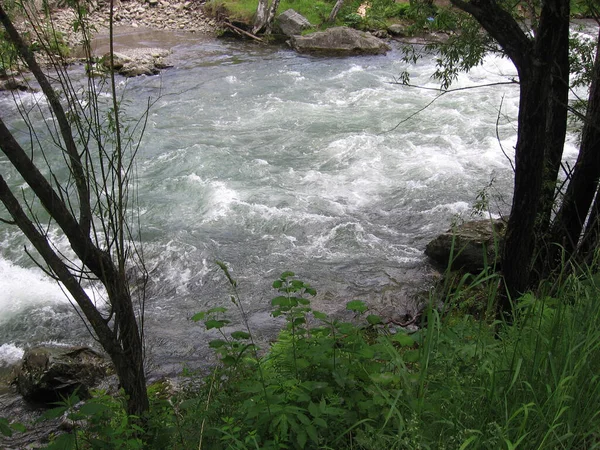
459,382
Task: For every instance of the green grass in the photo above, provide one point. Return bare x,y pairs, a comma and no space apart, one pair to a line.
457,383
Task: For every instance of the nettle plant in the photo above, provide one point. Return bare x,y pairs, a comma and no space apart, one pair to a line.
324,380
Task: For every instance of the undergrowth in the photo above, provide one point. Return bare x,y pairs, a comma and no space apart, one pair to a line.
459,382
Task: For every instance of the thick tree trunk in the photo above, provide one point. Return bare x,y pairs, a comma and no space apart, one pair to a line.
534,59
572,215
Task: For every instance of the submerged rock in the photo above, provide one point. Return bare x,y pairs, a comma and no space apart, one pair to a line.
48,373
471,244
339,41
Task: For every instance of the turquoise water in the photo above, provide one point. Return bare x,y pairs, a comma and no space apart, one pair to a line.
271,161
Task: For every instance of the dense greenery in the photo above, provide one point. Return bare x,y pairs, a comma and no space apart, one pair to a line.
460,382
378,15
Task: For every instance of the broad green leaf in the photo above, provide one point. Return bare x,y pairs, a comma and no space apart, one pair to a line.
411,356
281,301
217,309
310,291
212,323
217,343
277,284
4,428
198,316
373,319
64,442
288,274
357,306
92,408
319,315
53,413
240,335
228,360
403,339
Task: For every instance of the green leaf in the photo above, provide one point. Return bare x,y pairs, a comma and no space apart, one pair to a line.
281,301
210,324
277,284
64,442
403,339
53,413
238,335
310,291
4,428
313,409
92,409
319,315
198,316
302,438
217,309
312,433
356,306
217,343
288,274
411,356
373,319
297,284
228,360
18,427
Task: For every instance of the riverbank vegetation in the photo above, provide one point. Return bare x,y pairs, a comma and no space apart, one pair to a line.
517,369
460,382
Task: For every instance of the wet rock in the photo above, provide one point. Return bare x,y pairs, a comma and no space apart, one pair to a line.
13,84
292,23
137,61
48,373
339,41
471,244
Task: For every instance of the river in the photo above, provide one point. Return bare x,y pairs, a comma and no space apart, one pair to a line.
270,161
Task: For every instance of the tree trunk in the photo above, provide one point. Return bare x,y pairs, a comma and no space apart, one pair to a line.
271,16
118,331
577,201
260,19
334,12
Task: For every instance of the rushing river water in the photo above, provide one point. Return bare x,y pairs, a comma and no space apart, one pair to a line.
272,161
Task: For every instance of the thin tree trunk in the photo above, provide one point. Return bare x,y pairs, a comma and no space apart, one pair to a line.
336,9
271,16
260,19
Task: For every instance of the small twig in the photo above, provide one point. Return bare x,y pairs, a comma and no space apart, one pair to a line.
498,134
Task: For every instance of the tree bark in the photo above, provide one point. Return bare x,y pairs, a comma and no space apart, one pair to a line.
118,333
335,10
260,19
577,201
534,59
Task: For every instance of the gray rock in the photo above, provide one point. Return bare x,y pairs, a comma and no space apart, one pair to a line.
397,29
48,373
339,41
292,23
138,61
469,243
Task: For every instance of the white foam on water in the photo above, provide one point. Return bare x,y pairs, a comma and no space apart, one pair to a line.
21,288
10,354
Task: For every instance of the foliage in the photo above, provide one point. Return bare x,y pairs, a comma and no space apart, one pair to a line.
459,382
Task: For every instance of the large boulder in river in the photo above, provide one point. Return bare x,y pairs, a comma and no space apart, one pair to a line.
470,244
48,373
292,23
339,41
133,62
